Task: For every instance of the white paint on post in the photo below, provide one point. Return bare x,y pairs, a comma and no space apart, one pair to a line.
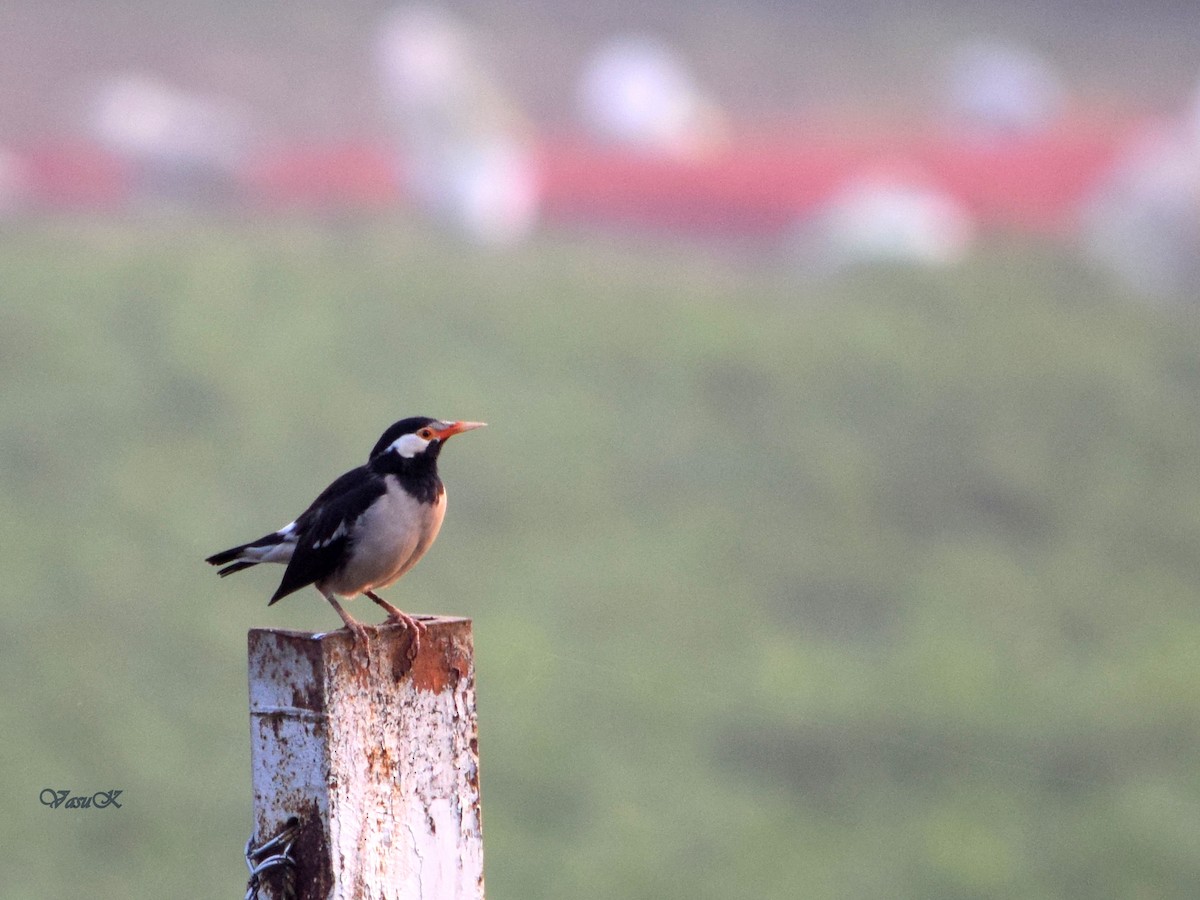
378,762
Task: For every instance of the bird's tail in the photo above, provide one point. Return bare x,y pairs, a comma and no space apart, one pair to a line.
232,555
275,547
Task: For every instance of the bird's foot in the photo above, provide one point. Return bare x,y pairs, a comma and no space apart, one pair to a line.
396,616
403,618
415,629
358,630
362,637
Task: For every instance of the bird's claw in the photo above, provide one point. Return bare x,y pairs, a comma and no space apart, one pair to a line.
415,627
361,636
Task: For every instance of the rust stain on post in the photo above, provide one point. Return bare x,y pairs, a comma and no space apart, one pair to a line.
379,761
445,657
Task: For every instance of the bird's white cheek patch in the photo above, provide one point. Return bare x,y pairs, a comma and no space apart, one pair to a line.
409,445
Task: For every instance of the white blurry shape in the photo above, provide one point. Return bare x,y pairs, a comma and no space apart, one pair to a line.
996,88
637,92
1143,220
492,190
886,218
149,121
467,156
424,60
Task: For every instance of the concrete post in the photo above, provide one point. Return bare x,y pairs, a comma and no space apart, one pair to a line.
379,762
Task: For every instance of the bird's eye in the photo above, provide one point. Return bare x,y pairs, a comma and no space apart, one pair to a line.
425,433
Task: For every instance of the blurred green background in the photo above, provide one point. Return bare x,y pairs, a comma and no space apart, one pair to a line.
881,587
876,584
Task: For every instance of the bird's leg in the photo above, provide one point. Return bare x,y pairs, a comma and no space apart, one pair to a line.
415,627
356,628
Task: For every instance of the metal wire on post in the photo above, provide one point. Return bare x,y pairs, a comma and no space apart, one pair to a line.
261,860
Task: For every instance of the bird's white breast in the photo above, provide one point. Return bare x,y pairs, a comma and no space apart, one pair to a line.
387,540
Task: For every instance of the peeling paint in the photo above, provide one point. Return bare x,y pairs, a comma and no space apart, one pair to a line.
384,755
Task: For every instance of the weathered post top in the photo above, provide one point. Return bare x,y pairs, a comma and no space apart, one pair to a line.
377,757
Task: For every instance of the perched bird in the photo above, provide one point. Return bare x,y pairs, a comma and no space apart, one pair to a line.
367,528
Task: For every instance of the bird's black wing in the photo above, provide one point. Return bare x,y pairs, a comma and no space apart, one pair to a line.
323,529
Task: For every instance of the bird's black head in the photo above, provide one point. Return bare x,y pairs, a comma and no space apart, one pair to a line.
417,438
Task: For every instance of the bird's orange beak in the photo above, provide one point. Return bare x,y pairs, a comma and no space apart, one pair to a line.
457,428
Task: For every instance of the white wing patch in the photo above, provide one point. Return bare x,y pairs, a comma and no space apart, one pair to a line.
338,532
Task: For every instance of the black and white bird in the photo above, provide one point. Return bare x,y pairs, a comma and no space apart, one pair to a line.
367,528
